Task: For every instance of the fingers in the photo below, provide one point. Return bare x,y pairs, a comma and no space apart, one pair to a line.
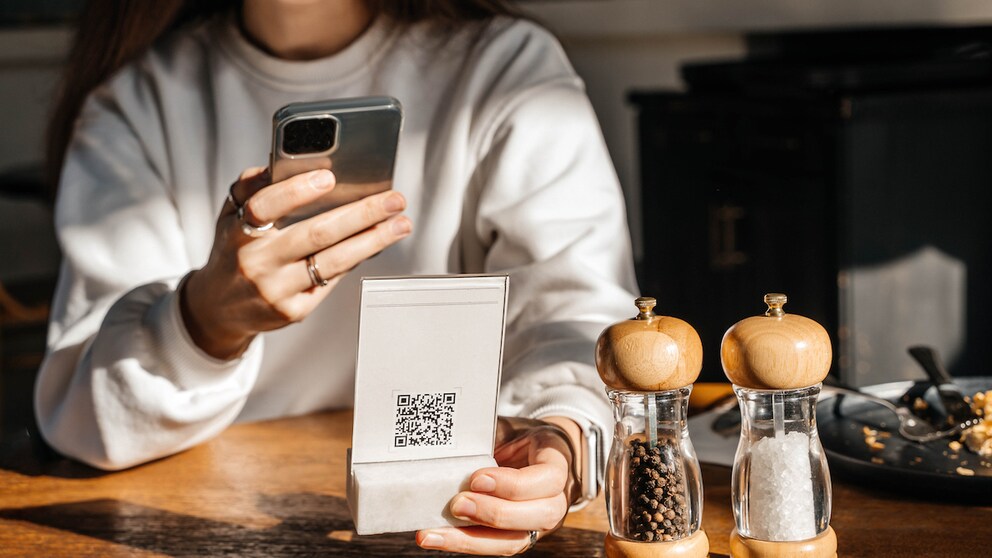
275,263
483,509
544,444
271,203
542,480
475,540
293,277
346,254
332,227
297,306
253,172
250,181
507,503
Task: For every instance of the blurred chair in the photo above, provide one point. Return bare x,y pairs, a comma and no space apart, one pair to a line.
29,259
14,313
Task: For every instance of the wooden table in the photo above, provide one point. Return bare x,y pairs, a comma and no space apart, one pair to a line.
277,489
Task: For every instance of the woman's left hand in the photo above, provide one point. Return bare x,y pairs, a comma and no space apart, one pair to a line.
531,490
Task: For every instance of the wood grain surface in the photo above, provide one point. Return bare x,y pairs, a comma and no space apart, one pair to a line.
778,351
276,489
649,352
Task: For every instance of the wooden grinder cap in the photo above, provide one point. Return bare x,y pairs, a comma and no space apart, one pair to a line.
777,350
649,352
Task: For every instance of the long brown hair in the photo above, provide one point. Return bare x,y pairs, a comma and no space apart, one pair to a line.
112,33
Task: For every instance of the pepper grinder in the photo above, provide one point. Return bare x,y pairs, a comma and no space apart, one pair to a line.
781,485
654,491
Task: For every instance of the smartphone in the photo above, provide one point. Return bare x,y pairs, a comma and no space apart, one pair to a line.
355,138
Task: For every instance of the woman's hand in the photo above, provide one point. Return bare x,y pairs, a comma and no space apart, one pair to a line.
255,284
530,491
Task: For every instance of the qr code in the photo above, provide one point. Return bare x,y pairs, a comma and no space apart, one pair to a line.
424,419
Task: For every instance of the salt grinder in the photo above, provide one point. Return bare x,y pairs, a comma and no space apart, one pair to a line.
654,492
781,485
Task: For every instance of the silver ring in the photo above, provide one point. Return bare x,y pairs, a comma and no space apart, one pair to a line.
314,271
249,229
533,540
230,196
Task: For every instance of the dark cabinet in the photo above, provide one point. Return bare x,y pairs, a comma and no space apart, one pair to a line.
870,209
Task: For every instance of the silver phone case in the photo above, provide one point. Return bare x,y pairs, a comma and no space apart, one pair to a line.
361,158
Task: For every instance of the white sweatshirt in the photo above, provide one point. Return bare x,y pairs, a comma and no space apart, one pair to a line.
504,170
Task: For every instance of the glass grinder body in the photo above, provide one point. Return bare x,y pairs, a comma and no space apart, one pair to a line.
781,485
654,492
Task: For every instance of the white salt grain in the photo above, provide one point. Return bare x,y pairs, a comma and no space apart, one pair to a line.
780,493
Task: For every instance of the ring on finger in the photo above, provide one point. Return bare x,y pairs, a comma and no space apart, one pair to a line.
314,271
532,540
230,196
248,228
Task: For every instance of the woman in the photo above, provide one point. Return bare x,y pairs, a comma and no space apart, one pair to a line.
170,323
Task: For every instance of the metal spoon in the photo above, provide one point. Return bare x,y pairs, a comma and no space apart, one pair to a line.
911,427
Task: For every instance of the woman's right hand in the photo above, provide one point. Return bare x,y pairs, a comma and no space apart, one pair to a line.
255,284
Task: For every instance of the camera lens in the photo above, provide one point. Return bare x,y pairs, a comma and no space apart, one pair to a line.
308,135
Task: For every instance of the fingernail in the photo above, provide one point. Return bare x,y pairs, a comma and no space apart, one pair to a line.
483,483
394,203
462,508
432,540
401,227
321,180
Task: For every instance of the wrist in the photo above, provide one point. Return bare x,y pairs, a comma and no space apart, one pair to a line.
574,433
587,466
584,481
211,336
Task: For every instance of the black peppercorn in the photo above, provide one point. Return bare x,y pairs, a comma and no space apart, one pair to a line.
657,492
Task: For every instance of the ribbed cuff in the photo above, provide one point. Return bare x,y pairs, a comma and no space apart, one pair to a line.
183,361
578,403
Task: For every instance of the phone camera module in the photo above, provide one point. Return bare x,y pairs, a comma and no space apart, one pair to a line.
308,135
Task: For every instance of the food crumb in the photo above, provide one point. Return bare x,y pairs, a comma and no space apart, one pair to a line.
343,536
955,446
965,472
880,461
871,438
874,444
978,438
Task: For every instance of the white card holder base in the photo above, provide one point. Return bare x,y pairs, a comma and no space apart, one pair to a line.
397,496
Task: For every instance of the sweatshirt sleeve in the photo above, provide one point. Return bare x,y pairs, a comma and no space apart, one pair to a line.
122,382
551,214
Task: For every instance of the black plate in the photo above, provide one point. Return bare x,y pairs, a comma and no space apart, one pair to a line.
909,468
